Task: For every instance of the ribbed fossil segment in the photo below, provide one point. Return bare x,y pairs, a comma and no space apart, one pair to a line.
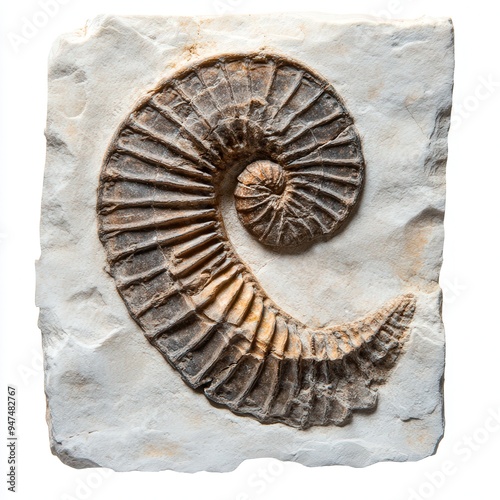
300,171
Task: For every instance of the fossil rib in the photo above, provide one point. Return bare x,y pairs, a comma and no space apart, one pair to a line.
300,166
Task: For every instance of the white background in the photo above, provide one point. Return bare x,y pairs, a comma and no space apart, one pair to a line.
467,462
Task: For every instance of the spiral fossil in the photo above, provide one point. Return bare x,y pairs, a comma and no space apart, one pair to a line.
287,134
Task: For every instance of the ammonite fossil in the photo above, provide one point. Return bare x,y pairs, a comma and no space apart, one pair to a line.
288,136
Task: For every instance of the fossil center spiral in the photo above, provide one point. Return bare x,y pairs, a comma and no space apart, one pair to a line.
262,176
260,196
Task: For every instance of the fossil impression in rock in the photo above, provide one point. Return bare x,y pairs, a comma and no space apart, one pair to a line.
286,133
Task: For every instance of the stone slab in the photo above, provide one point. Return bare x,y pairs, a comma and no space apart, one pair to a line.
112,400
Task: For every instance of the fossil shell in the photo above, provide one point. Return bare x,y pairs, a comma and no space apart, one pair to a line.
298,155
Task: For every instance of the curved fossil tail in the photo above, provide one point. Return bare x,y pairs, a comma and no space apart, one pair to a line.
267,366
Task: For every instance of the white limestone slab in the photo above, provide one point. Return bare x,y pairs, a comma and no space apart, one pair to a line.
112,399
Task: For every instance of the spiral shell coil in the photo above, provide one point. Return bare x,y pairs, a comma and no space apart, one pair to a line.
300,167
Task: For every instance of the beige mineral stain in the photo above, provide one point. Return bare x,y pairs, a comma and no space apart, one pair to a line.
163,449
417,238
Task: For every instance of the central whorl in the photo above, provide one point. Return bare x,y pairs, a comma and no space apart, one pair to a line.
262,202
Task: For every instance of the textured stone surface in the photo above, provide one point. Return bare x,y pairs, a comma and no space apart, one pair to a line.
113,401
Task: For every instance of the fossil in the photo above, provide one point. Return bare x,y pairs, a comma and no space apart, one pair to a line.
290,139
